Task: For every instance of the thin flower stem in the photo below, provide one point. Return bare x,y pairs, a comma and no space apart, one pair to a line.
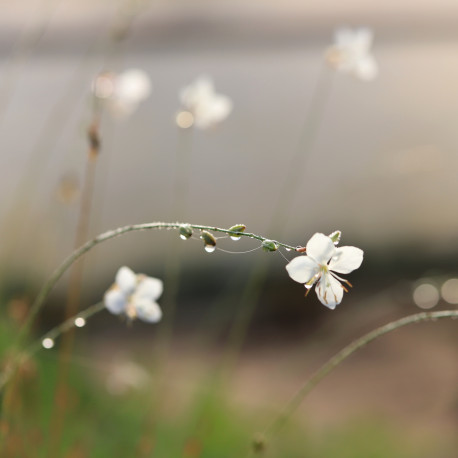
51,334
64,327
342,355
54,278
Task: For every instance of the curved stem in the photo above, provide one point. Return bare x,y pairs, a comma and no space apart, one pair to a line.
52,334
49,285
64,326
343,354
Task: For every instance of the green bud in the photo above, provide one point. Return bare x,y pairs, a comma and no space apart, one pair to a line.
238,228
208,238
185,231
335,237
269,245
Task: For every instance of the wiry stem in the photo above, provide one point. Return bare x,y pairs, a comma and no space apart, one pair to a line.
55,332
49,285
342,355
64,327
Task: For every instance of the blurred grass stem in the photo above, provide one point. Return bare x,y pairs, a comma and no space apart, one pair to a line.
291,182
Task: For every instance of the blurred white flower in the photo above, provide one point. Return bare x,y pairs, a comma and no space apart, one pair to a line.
134,295
125,376
351,53
123,92
323,259
205,106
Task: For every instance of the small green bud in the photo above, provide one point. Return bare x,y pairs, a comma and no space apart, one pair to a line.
237,228
185,231
269,245
335,237
208,238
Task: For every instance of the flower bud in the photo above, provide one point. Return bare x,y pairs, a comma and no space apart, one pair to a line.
269,245
335,237
237,228
185,231
209,240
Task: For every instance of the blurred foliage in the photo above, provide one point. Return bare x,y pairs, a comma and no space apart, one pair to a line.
99,424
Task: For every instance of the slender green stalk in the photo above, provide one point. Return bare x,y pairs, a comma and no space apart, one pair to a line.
54,278
342,355
53,334
68,324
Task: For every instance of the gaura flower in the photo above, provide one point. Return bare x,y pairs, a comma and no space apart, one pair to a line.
320,265
351,53
203,106
135,296
123,92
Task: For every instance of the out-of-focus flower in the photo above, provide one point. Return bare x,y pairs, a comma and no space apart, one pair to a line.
320,265
202,106
351,53
134,295
125,376
122,92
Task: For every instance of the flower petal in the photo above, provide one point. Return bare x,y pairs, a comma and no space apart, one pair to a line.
147,310
366,68
149,288
133,86
115,300
329,291
126,280
302,269
320,248
346,259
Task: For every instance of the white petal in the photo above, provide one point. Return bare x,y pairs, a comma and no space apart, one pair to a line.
115,300
344,37
133,86
329,291
364,37
302,269
126,280
149,288
320,248
197,92
366,68
346,259
147,310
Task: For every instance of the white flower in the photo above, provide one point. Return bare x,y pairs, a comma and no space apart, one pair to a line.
123,92
323,259
205,106
351,53
134,295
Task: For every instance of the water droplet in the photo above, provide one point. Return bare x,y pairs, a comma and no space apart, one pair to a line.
210,248
47,343
235,238
288,249
80,322
183,237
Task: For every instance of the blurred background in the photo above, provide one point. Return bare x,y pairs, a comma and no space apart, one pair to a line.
380,164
